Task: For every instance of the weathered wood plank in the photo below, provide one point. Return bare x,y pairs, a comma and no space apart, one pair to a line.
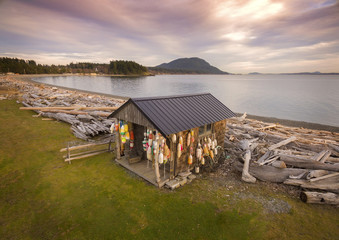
282,143
82,146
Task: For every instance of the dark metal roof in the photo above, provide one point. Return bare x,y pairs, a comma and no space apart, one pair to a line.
172,114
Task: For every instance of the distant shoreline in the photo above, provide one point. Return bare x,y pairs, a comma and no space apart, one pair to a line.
287,122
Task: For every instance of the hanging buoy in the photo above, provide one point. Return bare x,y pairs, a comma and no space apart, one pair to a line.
190,159
209,143
112,128
196,169
198,153
123,139
144,144
203,161
149,153
213,145
211,154
205,149
131,135
150,142
166,151
126,127
161,158
174,138
180,140
215,151
192,136
155,144
131,144
116,127
122,129
127,135
179,150
188,139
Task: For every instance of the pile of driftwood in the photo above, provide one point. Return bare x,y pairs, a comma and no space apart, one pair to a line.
87,113
289,155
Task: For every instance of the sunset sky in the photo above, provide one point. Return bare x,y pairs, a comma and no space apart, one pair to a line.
237,36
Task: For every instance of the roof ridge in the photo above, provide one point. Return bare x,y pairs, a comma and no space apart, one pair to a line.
169,97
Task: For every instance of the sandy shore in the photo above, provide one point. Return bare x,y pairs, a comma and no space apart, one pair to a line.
286,122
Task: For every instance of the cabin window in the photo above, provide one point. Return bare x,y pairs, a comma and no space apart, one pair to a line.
208,128
205,130
201,130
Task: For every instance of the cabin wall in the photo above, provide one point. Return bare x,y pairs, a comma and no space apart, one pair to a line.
181,164
220,130
131,113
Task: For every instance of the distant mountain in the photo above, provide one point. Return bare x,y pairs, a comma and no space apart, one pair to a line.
311,73
187,66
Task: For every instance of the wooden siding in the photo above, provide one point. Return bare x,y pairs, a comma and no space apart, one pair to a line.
181,164
220,129
132,114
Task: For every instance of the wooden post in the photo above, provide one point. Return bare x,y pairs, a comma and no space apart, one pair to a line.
109,145
117,145
172,159
156,169
68,152
164,170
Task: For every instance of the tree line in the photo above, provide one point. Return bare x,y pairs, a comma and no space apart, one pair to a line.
21,66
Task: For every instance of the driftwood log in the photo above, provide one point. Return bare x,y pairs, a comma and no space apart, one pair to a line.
306,163
294,156
330,185
269,173
246,176
69,108
320,198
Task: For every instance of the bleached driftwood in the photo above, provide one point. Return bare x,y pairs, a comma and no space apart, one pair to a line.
316,173
246,176
324,177
69,108
242,118
325,157
320,198
330,186
269,173
279,164
308,164
319,155
282,143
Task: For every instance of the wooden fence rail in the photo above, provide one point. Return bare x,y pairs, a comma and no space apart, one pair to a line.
84,150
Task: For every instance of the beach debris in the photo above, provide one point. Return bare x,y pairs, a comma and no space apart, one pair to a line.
300,157
320,198
85,112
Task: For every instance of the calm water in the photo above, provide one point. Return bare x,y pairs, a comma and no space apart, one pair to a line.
308,98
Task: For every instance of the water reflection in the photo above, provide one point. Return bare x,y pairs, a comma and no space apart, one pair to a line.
299,97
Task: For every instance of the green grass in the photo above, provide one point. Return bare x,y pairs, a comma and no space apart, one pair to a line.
41,197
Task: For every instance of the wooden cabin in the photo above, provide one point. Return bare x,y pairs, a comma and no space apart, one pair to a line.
167,121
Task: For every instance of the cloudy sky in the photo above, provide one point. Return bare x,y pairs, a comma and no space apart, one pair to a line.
237,36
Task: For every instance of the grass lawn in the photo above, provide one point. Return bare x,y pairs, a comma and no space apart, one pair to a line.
41,197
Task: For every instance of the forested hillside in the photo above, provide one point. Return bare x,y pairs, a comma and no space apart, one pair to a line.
21,66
